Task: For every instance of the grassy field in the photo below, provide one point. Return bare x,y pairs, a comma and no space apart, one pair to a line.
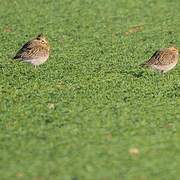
89,113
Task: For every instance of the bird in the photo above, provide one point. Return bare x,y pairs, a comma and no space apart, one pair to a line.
163,60
35,51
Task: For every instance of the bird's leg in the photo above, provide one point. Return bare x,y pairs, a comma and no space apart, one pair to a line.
162,72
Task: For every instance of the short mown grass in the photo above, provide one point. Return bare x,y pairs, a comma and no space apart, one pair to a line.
80,115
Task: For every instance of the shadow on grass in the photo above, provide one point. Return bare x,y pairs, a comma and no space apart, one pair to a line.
139,72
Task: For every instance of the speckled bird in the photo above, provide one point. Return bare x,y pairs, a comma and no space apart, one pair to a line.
163,60
35,51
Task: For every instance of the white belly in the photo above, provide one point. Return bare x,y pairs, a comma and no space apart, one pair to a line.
37,61
164,68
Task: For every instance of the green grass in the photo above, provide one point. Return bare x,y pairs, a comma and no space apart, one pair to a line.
104,104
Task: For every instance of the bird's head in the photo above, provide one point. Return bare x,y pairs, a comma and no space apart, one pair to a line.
42,40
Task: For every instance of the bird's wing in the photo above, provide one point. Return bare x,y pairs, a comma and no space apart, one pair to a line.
28,51
152,60
155,58
160,57
165,58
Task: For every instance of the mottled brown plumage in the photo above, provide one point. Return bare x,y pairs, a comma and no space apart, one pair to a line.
35,51
163,60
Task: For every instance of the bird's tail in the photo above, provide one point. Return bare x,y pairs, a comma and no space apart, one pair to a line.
17,57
